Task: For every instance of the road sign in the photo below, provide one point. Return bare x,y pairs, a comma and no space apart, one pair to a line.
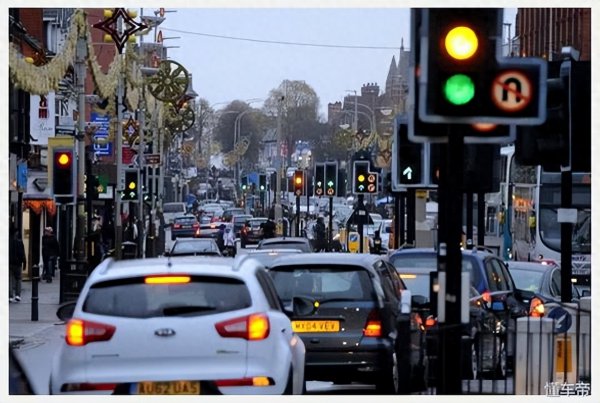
562,319
511,91
152,159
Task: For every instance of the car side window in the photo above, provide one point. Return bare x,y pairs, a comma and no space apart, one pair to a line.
555,283
497,276
396,280
269,290
389,288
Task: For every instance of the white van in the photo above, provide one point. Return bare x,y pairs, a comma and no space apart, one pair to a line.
172,210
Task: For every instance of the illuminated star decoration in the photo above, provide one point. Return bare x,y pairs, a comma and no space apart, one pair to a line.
130,27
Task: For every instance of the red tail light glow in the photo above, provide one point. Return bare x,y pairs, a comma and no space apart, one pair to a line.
486,296
252,327
176,226
430,321
373,325
81,332
81,387
254,381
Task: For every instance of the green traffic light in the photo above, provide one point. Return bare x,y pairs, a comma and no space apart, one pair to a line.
330,184
459,89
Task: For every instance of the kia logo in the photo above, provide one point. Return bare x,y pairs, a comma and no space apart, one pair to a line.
164,332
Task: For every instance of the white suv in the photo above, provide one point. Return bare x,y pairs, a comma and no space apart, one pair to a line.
184,325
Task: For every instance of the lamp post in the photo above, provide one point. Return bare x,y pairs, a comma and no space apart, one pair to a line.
355,122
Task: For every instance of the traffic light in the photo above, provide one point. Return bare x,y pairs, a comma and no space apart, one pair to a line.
92,183
360,173
262,182
331,178
463,79
132,185
244,183
407,161
319,179
63,172
298,182
372,182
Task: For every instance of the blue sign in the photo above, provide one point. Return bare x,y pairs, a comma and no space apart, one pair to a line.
562,319
101,144
253,178
22,175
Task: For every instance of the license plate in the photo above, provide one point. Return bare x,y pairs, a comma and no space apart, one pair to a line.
169,388
315,326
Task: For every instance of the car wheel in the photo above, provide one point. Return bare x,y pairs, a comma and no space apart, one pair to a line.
389,379
501,363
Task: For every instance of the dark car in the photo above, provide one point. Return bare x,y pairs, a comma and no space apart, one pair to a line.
185,226
481,355
353,314
490,277
544,280
238,221
251,233
195,247
286,243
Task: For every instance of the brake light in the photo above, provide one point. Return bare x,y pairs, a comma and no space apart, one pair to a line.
536,308
430,321
254,381
179,279
373,325
195,225
251,327
81,332
486,296
176,226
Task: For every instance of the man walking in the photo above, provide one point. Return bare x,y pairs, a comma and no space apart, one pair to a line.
50,252
16,262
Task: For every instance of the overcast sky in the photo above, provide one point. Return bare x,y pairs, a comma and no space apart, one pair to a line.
242,54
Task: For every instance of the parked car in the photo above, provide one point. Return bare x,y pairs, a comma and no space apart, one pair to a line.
489,277
182,325
251,233
286,243
353,313
185,226
172,210
194,247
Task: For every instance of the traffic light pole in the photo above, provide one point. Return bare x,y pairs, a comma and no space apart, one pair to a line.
330,232
360,208
119,184
297,215
449,265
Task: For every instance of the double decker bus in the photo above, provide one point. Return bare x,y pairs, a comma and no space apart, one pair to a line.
529,227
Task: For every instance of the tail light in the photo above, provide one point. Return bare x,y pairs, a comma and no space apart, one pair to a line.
81,332
251,327
254,381
176,226
373,325
536,308
486,296
430,321
195,225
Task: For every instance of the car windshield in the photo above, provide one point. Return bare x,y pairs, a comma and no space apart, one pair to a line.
414,260
286,245
529,280
327,283
133,298
185,220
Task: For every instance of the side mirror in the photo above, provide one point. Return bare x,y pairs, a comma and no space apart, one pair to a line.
65,311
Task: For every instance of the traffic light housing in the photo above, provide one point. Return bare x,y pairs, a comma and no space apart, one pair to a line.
244,183
262,182
132,185
463,79
298,182
360,170
63,173
319,179
331,178
408,161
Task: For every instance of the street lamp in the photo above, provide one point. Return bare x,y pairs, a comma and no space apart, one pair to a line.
384,110
355,123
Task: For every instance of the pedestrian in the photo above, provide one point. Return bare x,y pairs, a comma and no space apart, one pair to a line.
268,229
229,240
376,248
319,233
16,262
532,225
50,252
97,247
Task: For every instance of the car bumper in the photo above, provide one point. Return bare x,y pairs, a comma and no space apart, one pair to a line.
363,363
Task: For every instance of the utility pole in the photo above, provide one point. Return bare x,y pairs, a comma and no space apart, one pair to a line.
80,228
278,210
119,155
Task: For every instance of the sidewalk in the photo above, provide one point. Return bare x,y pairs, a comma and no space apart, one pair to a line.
20,324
